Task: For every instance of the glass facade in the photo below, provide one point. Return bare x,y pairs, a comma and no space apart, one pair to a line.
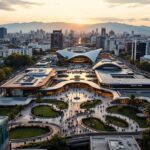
3,132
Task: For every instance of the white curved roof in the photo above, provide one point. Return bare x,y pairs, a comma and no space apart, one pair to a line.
92,55
101,63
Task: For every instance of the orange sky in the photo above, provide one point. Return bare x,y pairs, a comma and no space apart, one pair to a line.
75,11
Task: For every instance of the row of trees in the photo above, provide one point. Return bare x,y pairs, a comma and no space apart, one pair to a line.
5,72
145,66
145,141
15,61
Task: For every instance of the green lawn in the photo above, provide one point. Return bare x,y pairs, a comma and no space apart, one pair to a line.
5,111
45,111
27,132
96,124
90,104
60,104
117,121
129,112
10,111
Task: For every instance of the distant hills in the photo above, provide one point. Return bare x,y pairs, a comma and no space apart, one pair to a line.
117,27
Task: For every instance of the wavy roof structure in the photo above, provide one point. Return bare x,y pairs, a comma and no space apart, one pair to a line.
101,63
91,55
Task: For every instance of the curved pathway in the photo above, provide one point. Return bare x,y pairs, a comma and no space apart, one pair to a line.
54,130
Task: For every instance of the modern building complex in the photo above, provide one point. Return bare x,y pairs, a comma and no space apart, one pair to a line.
3,133
57,39
85,94
29,82
114,75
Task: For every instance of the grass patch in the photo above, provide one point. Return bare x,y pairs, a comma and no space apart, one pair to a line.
90,104
117,121
27,132
5,111
45,111
60,104
96,124
10,111
129,112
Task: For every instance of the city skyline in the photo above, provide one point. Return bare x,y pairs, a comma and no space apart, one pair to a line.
79,12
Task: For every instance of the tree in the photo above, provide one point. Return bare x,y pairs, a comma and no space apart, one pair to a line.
11,116
16,60
57,143
132,99
145,142
145,66
147,112
38,98
7,70
2,75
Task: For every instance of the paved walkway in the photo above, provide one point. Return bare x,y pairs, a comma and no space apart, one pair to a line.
70,122
54,130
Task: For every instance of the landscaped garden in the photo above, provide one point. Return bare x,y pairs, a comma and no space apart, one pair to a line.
117,121
90,104
60,104
5,111
96,124
129,112
11,112
45,111
27,132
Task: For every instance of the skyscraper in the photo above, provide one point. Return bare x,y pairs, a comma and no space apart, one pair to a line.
57,39
3,33
103,32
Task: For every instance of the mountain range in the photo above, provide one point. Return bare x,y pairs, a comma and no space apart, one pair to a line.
117,27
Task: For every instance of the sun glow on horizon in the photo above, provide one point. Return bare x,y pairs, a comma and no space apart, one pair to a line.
78,21
74,11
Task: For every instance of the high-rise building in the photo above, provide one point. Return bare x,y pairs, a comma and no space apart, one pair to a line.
148,47
3,33
100,42
136,49
57,39
3,133
103,32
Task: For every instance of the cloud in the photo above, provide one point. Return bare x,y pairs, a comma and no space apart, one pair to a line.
145,19
8,5
111,19
128,1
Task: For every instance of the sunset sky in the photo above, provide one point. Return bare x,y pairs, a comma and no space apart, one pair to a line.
136,12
